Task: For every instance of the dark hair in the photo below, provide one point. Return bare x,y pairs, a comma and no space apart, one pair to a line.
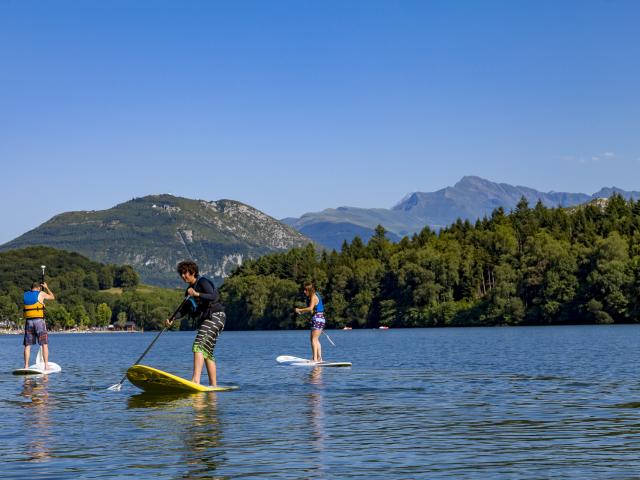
189,267
309,287
36,285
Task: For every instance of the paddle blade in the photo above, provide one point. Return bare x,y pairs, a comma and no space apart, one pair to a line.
115,388
39,357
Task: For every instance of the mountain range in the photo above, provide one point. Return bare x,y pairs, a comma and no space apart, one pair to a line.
154,233
471,198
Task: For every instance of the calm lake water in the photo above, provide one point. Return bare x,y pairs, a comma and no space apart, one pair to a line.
555,402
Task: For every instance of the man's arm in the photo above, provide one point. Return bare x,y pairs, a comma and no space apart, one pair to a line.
47,295
182,312
206,291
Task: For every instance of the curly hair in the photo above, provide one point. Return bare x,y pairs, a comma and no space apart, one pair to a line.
188,267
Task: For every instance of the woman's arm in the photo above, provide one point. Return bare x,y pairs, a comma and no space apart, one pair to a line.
311,307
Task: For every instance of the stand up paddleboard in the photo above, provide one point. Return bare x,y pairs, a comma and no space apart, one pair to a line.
151,379
303,362
38,367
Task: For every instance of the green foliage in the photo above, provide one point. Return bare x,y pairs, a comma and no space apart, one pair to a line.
533,266
103,315
257,302
125,277
122,319
58,317
83,291
9,311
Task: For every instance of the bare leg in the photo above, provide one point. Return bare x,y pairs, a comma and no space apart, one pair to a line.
198,361
313,347
211,371
316,347
27,354
319,346
45,355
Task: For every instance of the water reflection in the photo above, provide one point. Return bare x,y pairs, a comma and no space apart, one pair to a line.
195,423
202,438
317,420
155,400
34,390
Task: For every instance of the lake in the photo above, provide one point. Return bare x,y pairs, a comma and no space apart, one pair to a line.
524,402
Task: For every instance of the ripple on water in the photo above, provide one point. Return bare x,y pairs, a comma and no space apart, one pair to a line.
458,403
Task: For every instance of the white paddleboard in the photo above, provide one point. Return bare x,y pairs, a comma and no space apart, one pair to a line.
38,367
303,362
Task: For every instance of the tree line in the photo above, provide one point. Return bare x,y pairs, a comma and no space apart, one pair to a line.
533,266
88,294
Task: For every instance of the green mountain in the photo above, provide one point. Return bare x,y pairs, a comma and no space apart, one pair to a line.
156,232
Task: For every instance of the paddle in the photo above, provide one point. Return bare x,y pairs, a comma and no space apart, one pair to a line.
118,386
41,284
328,337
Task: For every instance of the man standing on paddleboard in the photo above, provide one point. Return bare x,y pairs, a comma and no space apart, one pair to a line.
316,307
205,308
34,325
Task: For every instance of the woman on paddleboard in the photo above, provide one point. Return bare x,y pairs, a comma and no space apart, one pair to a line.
316,307
204,307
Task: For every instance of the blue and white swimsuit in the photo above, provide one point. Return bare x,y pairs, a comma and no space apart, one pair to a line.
318,321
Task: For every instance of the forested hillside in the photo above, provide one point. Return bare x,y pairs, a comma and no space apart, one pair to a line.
535,266
87,293
155,232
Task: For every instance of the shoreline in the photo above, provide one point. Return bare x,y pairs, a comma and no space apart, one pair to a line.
63,332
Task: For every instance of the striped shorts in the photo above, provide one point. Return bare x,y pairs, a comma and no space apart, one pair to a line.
207,335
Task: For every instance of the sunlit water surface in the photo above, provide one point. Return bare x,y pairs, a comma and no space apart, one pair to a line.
555,402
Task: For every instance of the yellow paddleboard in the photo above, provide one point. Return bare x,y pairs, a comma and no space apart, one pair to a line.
151,379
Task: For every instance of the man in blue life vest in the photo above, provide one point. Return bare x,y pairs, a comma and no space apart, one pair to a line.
34,326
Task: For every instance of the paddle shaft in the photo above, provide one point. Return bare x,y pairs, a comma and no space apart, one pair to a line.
42,283
124,377
328,338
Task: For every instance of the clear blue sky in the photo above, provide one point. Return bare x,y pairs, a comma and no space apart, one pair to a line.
296,106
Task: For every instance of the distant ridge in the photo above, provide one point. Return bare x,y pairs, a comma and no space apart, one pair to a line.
471,198
155,232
